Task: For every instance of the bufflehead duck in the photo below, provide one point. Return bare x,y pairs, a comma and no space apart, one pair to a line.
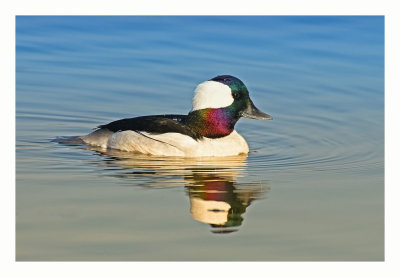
208,130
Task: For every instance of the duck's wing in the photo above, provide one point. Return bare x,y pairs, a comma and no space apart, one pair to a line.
153,124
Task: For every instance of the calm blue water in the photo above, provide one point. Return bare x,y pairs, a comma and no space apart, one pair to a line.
312,187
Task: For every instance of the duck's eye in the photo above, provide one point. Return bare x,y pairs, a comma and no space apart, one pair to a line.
235,95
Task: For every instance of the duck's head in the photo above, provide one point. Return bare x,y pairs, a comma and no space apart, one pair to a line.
218,104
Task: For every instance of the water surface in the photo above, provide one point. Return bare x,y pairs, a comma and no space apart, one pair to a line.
312,187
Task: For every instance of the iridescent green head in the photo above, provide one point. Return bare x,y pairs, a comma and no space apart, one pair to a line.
242,103
218,104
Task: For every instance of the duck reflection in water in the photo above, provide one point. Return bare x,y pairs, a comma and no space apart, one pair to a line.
216,197
219,201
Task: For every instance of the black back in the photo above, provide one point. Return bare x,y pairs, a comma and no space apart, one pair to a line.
155,124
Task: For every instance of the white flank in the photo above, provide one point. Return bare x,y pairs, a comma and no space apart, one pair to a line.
211,94
175,144
168,144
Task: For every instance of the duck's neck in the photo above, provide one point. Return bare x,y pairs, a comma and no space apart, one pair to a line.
212,123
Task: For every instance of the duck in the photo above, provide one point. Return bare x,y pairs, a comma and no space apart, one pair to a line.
206,131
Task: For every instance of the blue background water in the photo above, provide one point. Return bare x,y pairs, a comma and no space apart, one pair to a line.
314,177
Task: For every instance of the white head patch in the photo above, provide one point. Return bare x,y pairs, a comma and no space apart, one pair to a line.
211,94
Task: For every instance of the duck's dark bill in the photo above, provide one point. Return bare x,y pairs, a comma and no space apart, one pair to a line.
253,112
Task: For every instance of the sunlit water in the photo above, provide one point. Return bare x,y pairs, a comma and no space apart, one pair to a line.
312,187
